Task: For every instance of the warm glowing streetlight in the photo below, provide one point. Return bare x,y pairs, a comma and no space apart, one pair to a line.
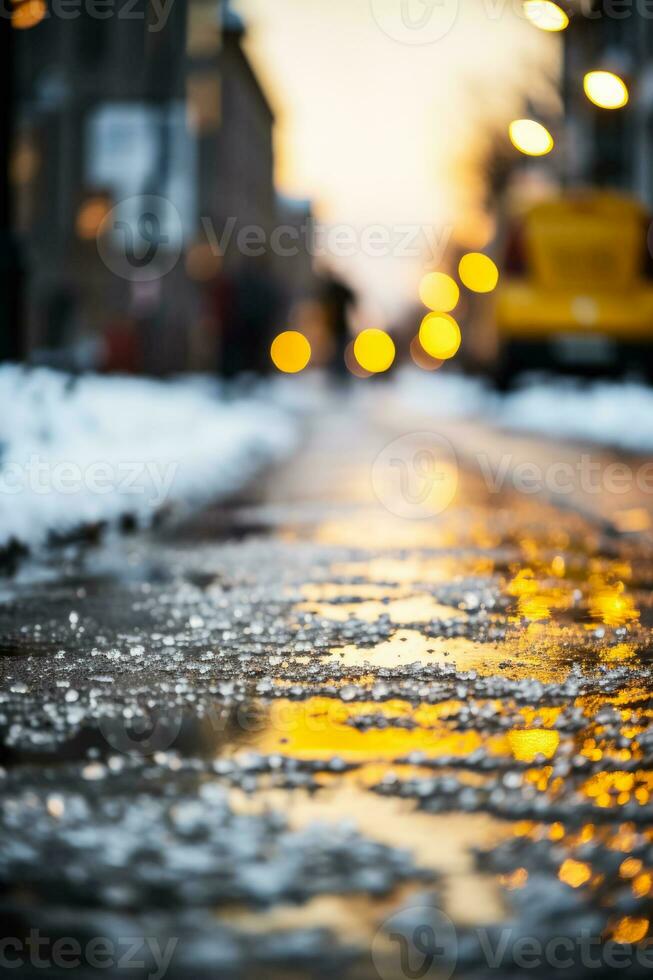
28,13
546,15
439,292
605,89
478,272
439,335
290,352
374,350
530,137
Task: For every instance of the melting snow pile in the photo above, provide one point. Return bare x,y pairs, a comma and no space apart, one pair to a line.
78,451
611,413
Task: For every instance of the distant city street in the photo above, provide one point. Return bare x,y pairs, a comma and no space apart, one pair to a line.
326,489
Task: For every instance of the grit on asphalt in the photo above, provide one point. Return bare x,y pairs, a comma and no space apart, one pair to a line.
313,735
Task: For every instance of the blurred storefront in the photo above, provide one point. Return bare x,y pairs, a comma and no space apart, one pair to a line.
145,135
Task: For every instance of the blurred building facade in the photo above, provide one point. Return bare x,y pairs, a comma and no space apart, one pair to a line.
149,123
612,148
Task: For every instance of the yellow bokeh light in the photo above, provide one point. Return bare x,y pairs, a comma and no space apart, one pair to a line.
439,292
605,89
290,352
28,14
530,137
374,350
630,929
439,335
574,873
90,216
546,15
478,272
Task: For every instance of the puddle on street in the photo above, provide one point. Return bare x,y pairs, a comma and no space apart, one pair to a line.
472,692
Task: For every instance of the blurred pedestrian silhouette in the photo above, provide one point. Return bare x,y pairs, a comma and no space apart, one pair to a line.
339,300
249,310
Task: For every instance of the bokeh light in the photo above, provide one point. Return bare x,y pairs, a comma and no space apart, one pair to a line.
28,14
421,358
374,350
478,272
439,335
90,216
530,137
290,352
439,292
605,89
546,15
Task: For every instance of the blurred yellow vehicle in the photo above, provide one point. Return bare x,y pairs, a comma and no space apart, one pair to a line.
577,288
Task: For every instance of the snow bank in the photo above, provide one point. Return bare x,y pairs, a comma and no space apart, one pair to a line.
77,451
609,413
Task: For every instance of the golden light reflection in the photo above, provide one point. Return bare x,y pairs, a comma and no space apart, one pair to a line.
609,603
411,609
605,89
530,137
374,350
642,885
632,520
318,728
478,272
630,867
90,216
612,789
630,929
290,352
574,873
439,335
535,601
439,292
516,879
546,15
28,14
527,745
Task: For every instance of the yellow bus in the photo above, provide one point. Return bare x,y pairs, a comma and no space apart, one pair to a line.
577,288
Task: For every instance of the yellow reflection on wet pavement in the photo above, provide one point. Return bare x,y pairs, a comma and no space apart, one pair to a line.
410,646
412,609
610,604
318,728
527,744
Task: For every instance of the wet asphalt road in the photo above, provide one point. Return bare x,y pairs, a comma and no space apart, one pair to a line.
388,719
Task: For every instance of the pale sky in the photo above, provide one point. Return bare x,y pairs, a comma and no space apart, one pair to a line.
370,123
